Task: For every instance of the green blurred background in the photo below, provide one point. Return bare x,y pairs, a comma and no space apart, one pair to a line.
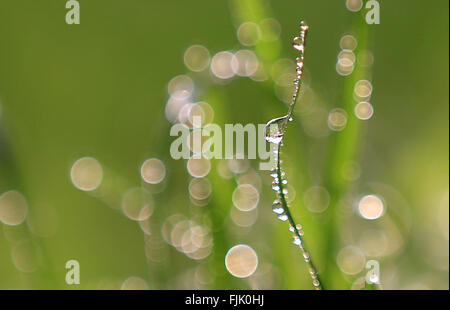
100,89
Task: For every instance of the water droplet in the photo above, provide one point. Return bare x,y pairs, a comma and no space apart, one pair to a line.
298,44
284,181
316,283
278,211
276,187
303,26
296,240
275,130
306,256
283,217
298,226
277,207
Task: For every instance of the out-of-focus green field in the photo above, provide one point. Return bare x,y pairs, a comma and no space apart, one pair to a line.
100,89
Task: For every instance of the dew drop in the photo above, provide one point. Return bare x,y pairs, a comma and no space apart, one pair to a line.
276,187
275,130
306,256
296,240
283,217
277,207
278,211
298,44
298,226
303,26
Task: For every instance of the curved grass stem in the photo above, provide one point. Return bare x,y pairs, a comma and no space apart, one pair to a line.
275,130
298,233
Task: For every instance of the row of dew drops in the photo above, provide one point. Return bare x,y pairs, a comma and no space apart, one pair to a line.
274,134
